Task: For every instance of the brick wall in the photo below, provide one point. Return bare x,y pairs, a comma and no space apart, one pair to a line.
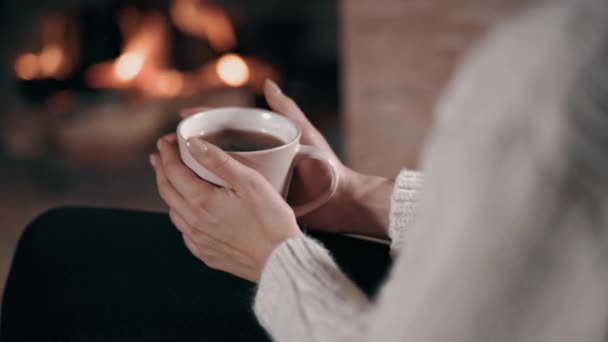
397,56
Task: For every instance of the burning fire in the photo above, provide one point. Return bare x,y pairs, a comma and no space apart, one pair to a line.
204,20
143,66
129,65
53,60
169,83
26,66
233,70
144,53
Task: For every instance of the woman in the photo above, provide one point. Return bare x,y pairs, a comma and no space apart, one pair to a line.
509,239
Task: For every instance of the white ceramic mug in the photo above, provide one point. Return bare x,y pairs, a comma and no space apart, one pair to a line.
275,164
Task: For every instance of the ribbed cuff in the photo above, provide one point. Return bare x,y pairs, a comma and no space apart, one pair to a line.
403,206
300,278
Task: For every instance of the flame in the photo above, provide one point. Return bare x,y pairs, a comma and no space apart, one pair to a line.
217,28
129,65
168,83
186,17
145,48
51,60
27,66
142,66
54,58
205,20
233,70
143,56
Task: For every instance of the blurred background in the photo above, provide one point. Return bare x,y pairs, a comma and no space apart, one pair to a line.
86,87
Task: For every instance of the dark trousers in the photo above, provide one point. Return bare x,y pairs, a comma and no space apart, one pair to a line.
83,274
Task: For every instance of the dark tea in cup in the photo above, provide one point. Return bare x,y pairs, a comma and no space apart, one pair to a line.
237,140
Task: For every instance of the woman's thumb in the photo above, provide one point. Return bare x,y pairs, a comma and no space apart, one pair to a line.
218,162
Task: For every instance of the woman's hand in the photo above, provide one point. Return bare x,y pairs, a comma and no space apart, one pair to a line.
233,230
361,202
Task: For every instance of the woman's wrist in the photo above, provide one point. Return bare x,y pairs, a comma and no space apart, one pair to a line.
290,234
368,200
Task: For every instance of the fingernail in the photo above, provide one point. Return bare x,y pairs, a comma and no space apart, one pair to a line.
153,160
273,87
197,146
159,143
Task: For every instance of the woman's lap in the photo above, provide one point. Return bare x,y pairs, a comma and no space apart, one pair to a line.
102,274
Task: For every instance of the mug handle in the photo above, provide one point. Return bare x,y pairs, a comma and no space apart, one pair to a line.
311,152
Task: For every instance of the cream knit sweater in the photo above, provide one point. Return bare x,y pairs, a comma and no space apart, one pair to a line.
497,251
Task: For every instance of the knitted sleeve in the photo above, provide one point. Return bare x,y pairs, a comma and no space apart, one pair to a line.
405,198
304,296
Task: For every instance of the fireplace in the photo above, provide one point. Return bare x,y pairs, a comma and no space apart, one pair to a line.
94,83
